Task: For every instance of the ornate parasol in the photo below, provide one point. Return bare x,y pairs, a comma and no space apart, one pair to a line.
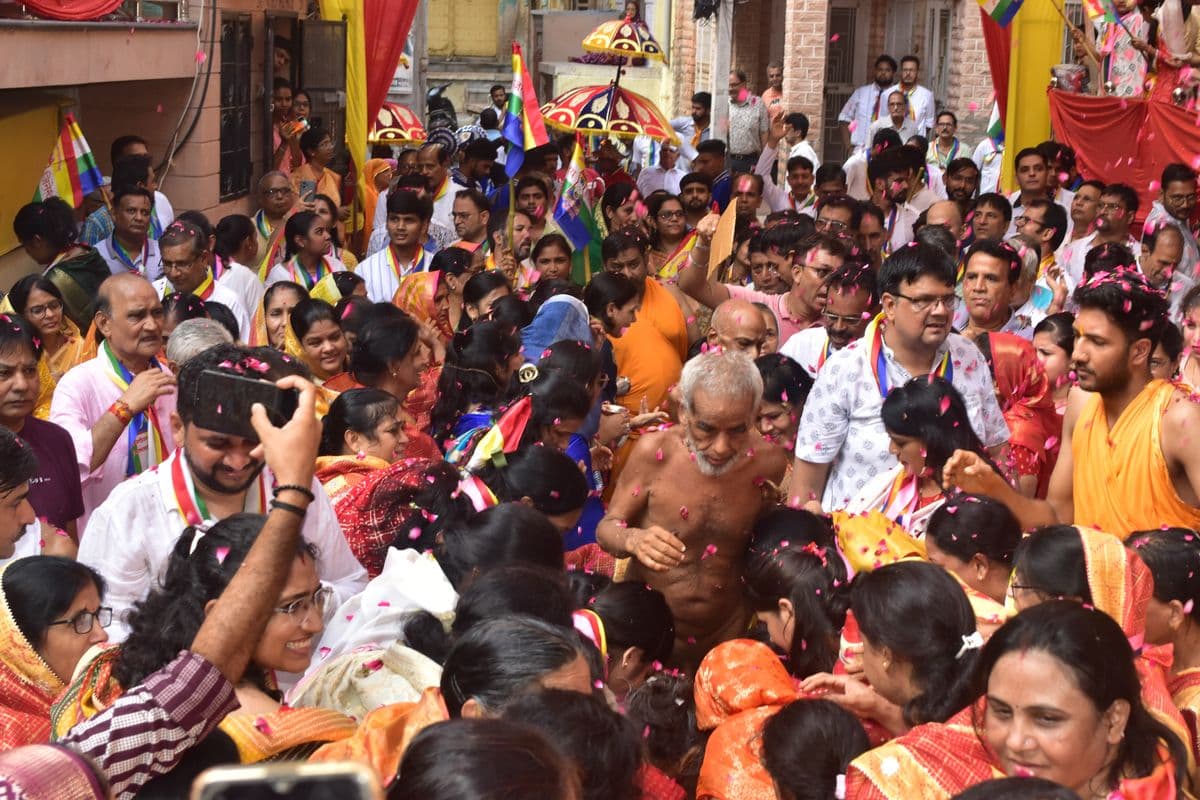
608,111
396,124
624,37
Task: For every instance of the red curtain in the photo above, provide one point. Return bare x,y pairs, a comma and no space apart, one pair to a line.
385,29
1118,140
74,10
998,42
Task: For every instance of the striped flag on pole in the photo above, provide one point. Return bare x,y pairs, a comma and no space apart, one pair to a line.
72,171
523,125
1002,11
1104,10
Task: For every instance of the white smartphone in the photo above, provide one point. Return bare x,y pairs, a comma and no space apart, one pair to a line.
343,781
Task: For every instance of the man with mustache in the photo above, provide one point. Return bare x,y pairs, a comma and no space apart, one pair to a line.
1132,464
210,476
684,504
850,305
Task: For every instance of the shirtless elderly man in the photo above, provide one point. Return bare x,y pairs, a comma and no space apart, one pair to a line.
684,504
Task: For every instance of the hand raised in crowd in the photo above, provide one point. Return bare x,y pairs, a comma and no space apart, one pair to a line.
1058,285
656,548
146,387
290,451
967,471
506,261
706,228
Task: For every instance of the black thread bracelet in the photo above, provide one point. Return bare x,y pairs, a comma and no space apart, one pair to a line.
282,506
304,490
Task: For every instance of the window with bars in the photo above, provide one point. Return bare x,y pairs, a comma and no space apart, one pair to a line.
1073,9
236,47
935,67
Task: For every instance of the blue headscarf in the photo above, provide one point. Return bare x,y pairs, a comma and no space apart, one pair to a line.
561,317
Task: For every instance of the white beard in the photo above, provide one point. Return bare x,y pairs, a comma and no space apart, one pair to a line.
705,466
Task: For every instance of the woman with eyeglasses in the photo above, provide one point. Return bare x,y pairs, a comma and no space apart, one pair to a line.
200,568
50,615
669,235
38,300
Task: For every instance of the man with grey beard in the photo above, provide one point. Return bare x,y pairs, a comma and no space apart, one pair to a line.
684,504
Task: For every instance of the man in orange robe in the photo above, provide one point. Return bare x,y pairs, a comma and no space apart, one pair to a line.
1133,463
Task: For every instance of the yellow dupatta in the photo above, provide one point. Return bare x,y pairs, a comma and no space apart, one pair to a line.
27,684
293,349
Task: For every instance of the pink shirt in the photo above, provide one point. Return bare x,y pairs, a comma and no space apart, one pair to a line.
81,398
788,324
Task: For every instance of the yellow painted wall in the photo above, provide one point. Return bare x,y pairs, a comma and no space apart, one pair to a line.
29,129
463,28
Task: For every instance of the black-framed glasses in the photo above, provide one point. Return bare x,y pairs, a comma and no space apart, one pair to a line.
1022,219
1021,587
920,304
83,621
299,609
671,215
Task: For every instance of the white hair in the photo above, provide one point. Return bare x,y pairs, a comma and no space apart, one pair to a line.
192,337
727,374
1030,254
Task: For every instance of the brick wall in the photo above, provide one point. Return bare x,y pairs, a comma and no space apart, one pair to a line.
970,80
683,56
805,23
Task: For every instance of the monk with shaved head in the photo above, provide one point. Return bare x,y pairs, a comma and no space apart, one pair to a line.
738,325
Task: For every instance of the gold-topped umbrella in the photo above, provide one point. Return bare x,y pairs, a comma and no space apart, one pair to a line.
608,111
627,37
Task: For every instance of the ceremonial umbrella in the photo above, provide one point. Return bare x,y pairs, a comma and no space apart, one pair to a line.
609,110
396,124
624,37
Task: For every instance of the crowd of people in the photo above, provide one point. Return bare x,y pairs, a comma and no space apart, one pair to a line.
898,500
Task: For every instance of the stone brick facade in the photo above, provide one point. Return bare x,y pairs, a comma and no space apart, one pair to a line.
805,36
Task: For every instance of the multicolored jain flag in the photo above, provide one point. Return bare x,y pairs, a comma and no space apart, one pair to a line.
523,124
574,216
72,171
1002,11
1105,10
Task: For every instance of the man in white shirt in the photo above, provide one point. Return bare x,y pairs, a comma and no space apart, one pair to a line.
433,162
989,158
890,173
129,169
921,104
748,125
695,128
852,302
130,248
1174,206
857,184
117,407
185,270
665,175
406,223
795,133
1033,177
1118,207
866,105
211,476
842,443
499,97
897,118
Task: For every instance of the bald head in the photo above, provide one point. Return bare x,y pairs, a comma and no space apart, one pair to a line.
129,314
947,214
737,325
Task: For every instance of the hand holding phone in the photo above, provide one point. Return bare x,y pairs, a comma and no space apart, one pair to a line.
223,403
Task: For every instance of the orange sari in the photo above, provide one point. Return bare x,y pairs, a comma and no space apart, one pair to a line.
27,685
386,733
415,298
1121,586
739,686
1027,400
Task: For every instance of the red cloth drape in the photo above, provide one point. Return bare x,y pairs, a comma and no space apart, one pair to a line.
385,28
74,10
1118,140
998,42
